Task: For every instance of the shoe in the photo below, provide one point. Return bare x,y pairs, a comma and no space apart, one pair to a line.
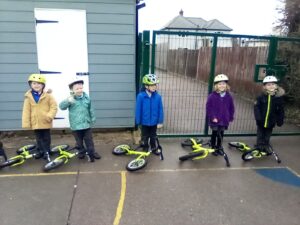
216,153
91,158
47,157
38,155
81,155
156,151
96,155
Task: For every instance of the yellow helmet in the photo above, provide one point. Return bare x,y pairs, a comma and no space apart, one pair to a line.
36,77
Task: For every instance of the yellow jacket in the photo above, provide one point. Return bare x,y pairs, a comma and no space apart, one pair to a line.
38,115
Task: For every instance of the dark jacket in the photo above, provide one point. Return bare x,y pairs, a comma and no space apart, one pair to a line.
269,109
149,110
221,108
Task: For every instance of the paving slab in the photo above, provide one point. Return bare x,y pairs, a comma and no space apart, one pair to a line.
35,200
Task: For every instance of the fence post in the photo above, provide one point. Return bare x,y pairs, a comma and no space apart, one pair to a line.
146,51
139,62
153,52
211,74
272,51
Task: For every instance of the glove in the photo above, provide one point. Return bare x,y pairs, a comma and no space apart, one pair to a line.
49,91
71,99
159,126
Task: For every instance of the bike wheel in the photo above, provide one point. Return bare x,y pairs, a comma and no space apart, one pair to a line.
191,155
54,164
136,164
120,149
188,142
247,156
26,148
235,144
58,148
11,162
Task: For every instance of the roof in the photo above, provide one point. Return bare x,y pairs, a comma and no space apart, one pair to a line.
195,23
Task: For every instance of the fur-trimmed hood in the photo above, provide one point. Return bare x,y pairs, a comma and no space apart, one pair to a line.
279,92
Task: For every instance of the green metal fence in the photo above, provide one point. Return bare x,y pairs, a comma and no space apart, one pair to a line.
186,64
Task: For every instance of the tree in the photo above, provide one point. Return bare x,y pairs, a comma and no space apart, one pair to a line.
290,23
289,52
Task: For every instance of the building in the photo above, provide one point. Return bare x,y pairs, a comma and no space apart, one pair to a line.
62,39
181,23
196,24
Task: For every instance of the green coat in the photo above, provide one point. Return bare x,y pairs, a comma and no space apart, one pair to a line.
81,113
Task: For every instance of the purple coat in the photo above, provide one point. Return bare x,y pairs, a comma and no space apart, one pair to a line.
221,108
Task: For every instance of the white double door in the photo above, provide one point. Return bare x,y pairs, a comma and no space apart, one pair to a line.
61,38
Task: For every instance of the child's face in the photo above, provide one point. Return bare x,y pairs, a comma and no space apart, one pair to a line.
37,86
77,89
270,86
221,86
151,88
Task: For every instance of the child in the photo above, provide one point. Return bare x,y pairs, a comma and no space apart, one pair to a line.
2,151
149,111
81,117
219,110
268,111
39,110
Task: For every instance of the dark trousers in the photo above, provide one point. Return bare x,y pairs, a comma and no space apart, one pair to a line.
2,153
263,137
217,136
43,140
84,136
149,135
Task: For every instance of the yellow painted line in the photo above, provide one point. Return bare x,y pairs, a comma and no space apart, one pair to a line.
141,171
122,199
37,174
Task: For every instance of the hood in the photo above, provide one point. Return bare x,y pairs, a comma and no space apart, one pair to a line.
278,92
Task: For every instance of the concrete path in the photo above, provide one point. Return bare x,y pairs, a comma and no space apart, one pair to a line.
165,192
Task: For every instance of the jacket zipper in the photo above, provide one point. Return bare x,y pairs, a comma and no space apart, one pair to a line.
150,110
268,112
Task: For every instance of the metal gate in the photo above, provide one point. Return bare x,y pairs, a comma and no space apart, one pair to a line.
186,64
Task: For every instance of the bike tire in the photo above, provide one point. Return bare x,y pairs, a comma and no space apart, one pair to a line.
58,147
248,155
136,164
189,143
120,149
235,144
54,164
27,148
191,156
10,162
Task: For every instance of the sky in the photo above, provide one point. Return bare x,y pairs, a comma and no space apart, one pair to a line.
255,17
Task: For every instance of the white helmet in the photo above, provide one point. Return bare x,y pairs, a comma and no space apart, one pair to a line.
221,77
75,81
270,79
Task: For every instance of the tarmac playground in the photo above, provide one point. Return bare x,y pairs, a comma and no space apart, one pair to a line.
169,192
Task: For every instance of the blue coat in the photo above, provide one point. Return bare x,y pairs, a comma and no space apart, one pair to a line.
81,113
149,110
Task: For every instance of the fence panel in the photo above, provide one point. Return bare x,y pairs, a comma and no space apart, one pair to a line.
186,64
